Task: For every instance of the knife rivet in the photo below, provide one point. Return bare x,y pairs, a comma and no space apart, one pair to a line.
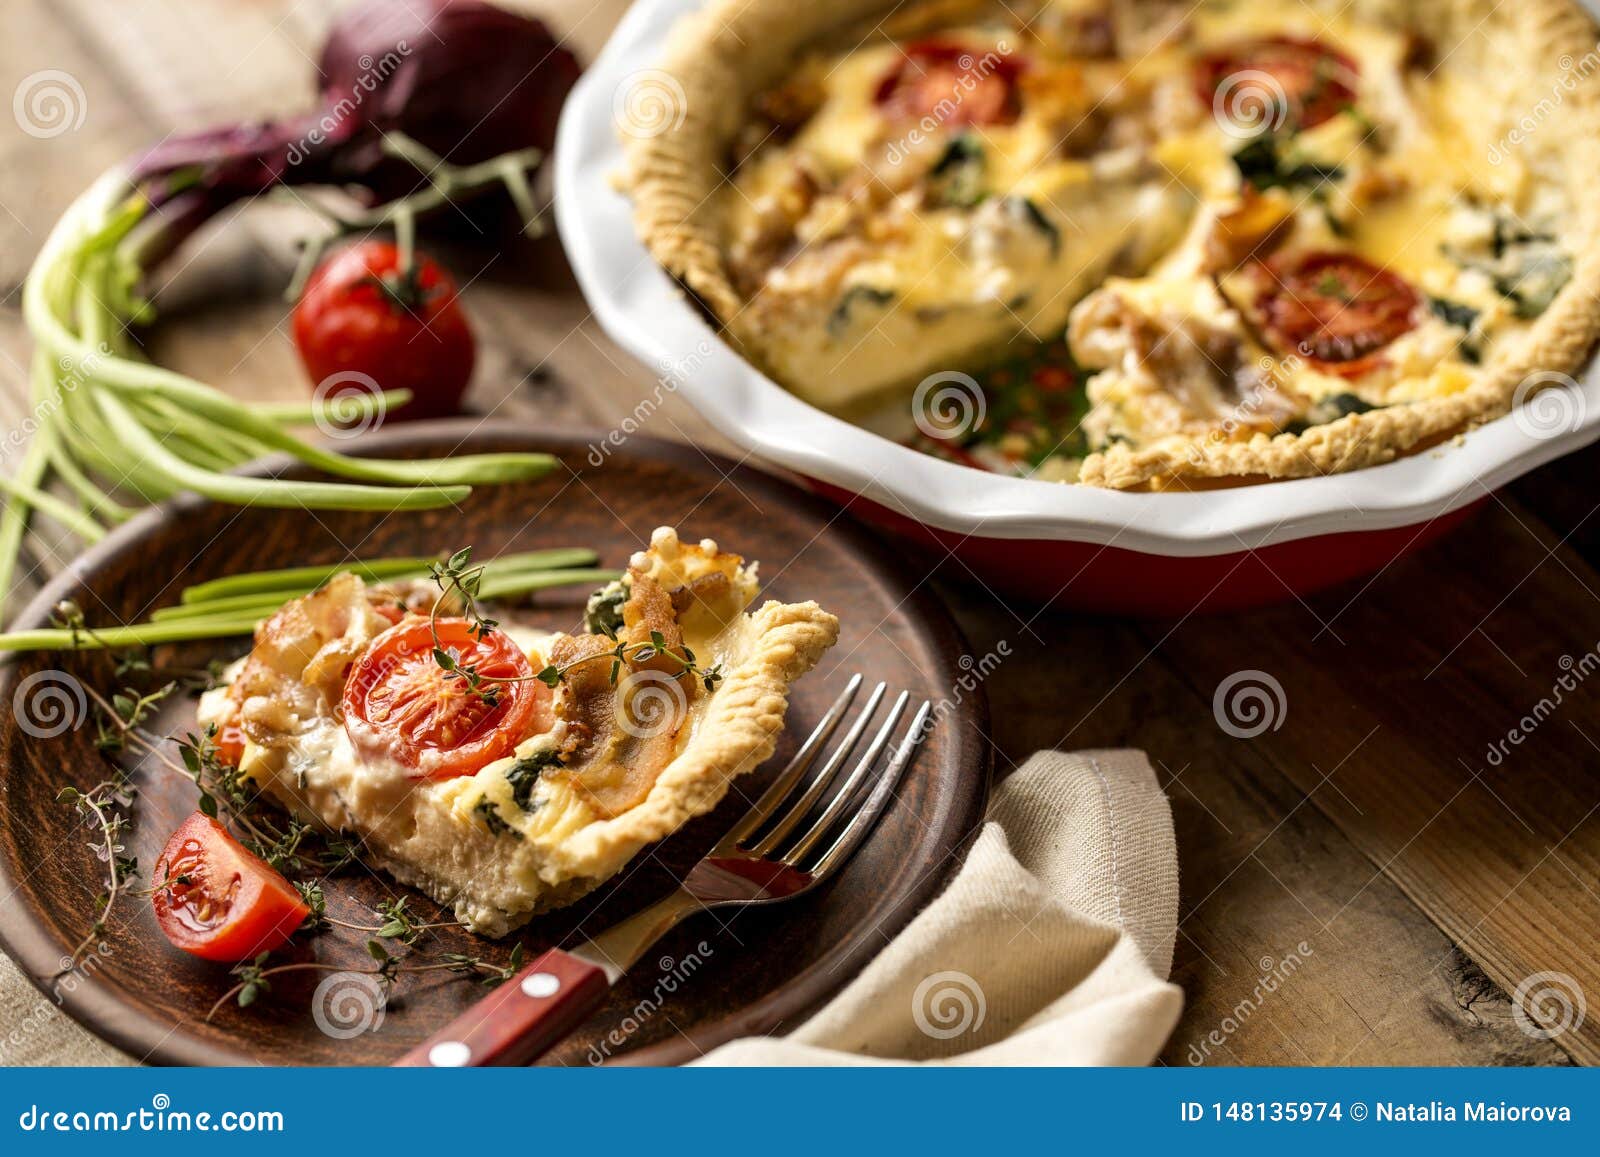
449,1054
541,984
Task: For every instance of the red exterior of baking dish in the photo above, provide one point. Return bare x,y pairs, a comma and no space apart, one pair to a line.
1114,580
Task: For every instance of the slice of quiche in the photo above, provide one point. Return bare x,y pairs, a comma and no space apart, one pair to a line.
505,771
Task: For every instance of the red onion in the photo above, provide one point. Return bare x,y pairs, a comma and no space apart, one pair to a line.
494,84
466,79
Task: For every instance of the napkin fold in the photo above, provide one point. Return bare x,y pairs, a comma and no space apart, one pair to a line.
1051,946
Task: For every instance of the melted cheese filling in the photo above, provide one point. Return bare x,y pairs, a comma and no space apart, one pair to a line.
878,287
466,840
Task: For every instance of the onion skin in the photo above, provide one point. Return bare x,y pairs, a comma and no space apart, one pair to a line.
494,85
466,79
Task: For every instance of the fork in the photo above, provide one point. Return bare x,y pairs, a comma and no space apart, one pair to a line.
761,860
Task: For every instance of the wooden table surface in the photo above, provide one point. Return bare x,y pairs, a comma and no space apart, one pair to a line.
1363,885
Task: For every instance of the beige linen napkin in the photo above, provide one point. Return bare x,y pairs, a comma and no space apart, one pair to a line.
1051,945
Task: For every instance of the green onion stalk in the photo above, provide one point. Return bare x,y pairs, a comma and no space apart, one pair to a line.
236,604
118,432
416,107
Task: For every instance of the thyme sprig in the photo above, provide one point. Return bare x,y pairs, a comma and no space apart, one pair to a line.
255,977
457,577
287,844
106,805
627,654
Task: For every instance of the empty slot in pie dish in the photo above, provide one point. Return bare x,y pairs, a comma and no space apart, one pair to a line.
525,789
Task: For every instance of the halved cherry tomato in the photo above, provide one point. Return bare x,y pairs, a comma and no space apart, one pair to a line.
952,84
1336,309
400,704
1315,81
229,743
363,315
215,899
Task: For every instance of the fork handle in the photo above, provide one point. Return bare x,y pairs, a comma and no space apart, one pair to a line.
520,1020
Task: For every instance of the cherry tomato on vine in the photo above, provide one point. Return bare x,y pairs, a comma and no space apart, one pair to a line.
400,704
217,900
364,313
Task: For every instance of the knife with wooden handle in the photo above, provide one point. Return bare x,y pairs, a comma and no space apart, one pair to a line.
517,1022
529,1014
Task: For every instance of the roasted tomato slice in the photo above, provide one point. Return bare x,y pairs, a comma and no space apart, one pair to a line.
215,899
1312,81
951,84
1336,309
400,704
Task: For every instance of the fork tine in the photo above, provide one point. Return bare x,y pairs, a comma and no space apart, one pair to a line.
797,811
861,823
846,791
781,786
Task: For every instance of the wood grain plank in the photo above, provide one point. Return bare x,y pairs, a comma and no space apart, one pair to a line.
1562,495
45,162
1260,873
47,159
204,61
1262,870
1399,706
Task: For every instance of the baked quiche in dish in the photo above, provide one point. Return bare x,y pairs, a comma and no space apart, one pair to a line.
507,771
1138,243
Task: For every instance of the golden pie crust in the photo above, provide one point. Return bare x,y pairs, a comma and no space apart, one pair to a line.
465,841
728,53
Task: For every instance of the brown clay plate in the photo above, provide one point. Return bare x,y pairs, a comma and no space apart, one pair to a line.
718,976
